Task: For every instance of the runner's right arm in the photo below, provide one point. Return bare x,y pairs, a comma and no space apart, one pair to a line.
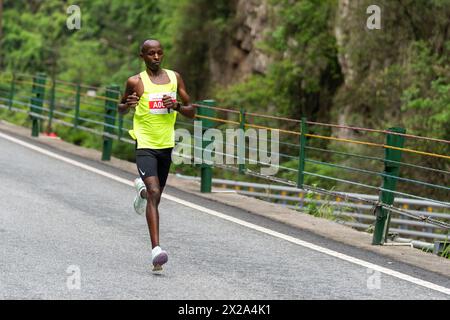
130,98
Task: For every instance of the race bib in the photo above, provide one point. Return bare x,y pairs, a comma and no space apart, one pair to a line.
155,102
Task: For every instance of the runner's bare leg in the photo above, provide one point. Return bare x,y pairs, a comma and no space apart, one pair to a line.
153,195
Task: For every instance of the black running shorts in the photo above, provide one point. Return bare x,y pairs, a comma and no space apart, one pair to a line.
154,163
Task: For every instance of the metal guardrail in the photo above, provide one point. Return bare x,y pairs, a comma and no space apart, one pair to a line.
362,214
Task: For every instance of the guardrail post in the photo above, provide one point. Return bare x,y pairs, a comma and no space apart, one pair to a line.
442,248
120,133
112,93
241,147
302,154
206,169
37,102
52,106
77,106
12,91
383,216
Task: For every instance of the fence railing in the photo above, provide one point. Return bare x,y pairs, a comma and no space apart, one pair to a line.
327,159
357,215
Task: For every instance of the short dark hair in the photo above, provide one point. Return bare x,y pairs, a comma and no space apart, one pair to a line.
141,48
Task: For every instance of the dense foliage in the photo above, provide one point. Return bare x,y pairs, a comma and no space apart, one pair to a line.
396,76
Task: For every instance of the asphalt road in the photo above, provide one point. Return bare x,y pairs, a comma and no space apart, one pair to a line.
67,233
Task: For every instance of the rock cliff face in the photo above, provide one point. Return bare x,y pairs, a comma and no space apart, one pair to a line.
376,64
239,56
359,75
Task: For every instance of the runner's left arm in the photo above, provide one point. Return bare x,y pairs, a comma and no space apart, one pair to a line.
185,108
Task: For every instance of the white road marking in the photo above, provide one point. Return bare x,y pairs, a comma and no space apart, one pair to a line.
252,226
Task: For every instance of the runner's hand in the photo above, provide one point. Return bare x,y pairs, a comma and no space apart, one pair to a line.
168,102
132,100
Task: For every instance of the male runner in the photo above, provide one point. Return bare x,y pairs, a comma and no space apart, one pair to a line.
153,95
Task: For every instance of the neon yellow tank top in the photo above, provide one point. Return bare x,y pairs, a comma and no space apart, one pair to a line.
154,125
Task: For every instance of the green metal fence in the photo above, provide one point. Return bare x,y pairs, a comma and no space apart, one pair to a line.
312,156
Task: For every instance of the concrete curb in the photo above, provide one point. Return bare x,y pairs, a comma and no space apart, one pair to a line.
328,229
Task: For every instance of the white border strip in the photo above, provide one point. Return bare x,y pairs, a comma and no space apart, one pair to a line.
252,226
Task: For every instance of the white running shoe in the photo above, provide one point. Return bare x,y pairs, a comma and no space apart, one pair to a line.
159,257
140,204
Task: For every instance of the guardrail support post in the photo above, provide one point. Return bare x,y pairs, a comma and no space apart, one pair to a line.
37,102
12,91
112,93
241,148
120,133
77,106
442,248
52,106
302,154
383,216
206,169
